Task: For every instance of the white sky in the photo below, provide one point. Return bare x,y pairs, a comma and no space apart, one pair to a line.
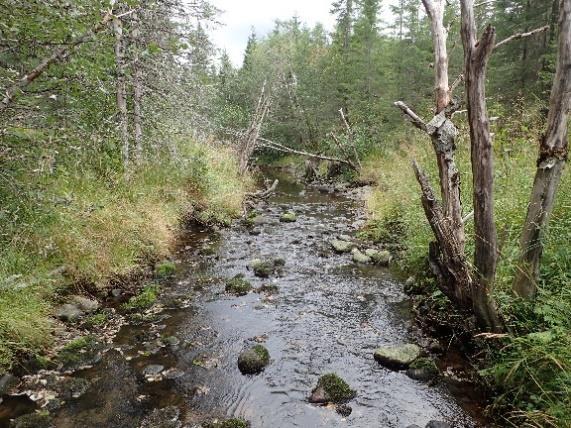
239,16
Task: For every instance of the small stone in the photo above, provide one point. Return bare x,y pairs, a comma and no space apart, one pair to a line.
171,341
344,410
152,370
398,357
331,389
438,424
253,360
116,292
69,312
85,304
288,217
359,257
341,246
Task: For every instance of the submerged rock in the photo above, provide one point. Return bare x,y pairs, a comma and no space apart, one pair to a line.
344,410
288,217
423,369
227,423
238,285
380,257
33,420
341,246
167,417
265,268
331,389
359,257
399,356
438,424
253,360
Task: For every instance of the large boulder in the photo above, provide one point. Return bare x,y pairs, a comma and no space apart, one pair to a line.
331,389
341,246
359,257
253,360
398,357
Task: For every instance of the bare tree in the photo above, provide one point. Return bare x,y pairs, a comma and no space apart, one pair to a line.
553,153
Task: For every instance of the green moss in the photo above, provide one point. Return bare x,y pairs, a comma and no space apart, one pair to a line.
71,352
228,423
165,269
97,320
238,285
336,389
144,300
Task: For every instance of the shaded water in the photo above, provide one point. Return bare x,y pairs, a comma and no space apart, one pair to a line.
329,316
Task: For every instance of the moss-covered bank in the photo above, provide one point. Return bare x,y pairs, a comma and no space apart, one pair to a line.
79,225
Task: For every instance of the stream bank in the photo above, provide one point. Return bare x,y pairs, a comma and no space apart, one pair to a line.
176,364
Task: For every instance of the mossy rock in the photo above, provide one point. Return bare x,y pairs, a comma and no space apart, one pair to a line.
227,423
288,217
261,268
398,357
238,285
79,352
423,369
144,300
331,389
359,257
379,257
253,360
340,246
165,269
33,420
268,289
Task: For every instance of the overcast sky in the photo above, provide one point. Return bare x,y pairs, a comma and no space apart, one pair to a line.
241,15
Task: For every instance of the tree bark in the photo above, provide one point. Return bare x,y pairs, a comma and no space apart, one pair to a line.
476,56
121,89
553,153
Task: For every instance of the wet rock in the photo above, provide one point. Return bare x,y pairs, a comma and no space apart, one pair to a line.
380,257
227,423
152,372
340,246
359,257
81,352
238,285
172,341
7,382
168,417
331,389
422,369
288,217
438,424
413,426
253,360
398,357
255,232
265,268
344,410
33,420
69,312
268,289
71,387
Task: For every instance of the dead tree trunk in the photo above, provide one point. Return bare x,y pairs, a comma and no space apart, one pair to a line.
476,56
121,90
553,153
249,139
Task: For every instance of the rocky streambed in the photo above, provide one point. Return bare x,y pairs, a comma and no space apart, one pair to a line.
286,321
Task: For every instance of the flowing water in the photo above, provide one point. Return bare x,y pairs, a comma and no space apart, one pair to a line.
329,316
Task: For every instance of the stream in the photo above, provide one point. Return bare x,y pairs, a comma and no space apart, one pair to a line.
328,316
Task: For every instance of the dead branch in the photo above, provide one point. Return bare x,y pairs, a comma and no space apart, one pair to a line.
350,138
280,147
412,116
519,36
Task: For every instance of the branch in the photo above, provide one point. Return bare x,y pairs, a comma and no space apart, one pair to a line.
350,138
280,147
414,118
456,83
522,35
58,55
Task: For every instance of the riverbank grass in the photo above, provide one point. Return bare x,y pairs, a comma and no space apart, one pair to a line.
85,226
530,369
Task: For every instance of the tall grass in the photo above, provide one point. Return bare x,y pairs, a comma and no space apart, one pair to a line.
79,224
531,370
